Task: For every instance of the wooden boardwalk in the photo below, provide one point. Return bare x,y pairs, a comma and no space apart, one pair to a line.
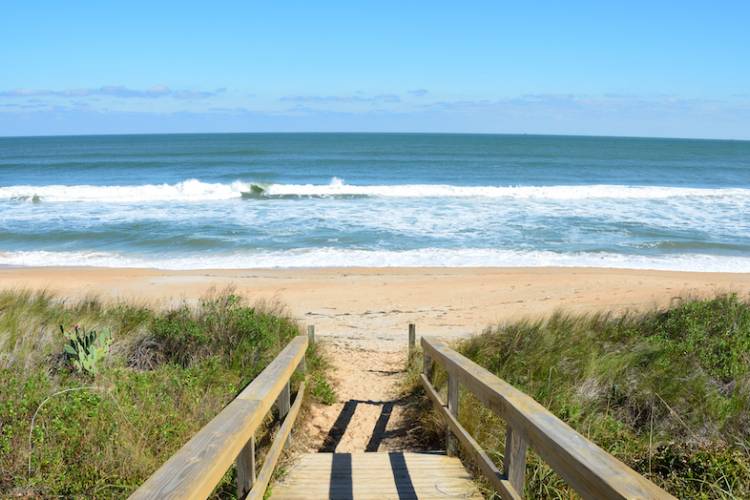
363,475
229,439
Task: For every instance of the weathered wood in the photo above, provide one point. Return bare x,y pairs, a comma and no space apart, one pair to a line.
283,402
199,465
302,366
451,447
279,442
514,461
311,334
471,447
591,471
245,465
376,476
412,340
427,366
268,385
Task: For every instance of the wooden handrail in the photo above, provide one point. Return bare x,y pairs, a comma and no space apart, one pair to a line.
591,471
195,470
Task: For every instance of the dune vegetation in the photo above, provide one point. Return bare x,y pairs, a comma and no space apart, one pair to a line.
95,396
667,391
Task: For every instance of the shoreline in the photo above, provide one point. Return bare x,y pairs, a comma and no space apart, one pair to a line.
328,258
372,307
355,268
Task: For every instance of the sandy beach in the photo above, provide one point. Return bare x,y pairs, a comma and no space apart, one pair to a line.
374,305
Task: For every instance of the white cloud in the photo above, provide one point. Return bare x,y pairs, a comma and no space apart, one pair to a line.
117,91
374,99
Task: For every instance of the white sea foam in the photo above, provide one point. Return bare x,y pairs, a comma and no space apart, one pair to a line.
189,190
339,188
193,190
336,257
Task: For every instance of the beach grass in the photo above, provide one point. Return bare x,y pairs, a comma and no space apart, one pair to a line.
166,374
667,391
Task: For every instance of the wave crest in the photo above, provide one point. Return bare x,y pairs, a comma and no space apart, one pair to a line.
189,190
195,190
613,191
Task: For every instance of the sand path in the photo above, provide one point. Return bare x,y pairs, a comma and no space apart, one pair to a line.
368,414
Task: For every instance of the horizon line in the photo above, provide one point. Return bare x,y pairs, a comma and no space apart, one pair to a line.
601,136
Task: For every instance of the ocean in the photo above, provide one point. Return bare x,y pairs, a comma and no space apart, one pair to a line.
310,200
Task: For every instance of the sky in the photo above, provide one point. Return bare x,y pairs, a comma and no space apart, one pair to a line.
668,69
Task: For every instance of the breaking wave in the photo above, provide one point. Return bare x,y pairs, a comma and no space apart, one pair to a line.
194,190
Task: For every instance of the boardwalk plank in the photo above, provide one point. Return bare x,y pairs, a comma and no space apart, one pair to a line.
376,475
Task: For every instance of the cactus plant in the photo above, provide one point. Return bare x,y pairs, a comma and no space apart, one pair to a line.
85,350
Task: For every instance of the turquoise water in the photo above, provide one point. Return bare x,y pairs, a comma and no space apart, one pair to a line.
287,200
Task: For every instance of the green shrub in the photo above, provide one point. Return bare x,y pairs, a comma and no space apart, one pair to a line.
86,350
321,389
178,336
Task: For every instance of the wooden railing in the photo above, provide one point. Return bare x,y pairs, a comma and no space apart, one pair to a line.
591,471
195,470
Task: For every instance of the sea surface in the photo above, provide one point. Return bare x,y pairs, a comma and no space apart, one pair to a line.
309,200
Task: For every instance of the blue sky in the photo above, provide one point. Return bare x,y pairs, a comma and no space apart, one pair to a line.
677,69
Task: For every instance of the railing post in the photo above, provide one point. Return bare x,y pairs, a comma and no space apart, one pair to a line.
245,465
451,445
283,403
412,340
427,366
514,463
302,367
311,334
